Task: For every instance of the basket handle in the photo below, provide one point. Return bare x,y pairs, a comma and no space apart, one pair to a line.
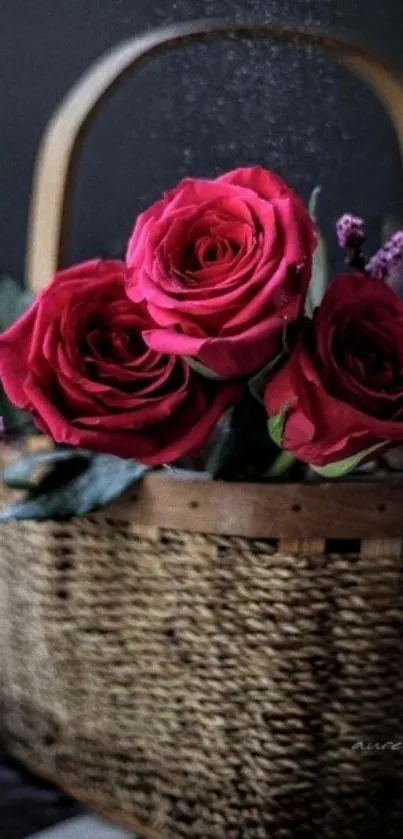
61,142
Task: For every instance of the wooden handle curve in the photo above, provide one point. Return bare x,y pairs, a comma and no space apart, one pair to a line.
58,151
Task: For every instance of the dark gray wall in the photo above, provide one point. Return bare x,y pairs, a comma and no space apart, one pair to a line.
202,111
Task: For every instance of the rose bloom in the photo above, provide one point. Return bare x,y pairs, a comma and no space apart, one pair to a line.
223,264
77,361
341,392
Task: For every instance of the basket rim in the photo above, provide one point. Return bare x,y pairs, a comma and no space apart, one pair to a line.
338,510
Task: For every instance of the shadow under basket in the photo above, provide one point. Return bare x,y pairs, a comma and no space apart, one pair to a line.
181,671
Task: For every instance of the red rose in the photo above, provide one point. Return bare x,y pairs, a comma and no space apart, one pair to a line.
341,392
223,264
77,361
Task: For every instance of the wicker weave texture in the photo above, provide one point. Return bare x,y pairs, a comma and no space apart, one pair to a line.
199,687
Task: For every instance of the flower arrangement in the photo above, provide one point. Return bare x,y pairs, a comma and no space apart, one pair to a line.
215,344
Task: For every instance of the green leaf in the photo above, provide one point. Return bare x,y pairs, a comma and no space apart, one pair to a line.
257,384
342,467
276,426
18,474
186,474
14,300
202,369
313,202
320,263
14,419
103,480
281,465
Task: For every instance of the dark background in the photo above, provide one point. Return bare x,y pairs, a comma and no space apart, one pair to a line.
201,111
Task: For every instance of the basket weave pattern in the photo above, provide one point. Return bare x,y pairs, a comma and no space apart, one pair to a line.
205,686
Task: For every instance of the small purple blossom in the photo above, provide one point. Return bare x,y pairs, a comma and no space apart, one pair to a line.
378,267
394,249
350,231
387,258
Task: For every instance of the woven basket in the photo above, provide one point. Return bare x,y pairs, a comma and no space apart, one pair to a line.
208,660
